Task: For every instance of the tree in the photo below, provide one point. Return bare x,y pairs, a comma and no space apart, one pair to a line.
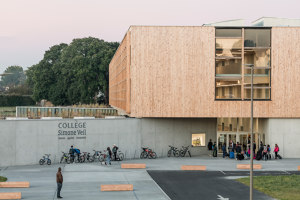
15,77
72,74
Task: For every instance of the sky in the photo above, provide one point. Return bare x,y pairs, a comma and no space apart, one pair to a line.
29,27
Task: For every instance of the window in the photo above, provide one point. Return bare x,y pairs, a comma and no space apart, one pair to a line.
257,38
234,82
198,140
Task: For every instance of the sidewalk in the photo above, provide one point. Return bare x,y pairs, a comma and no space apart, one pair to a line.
83,180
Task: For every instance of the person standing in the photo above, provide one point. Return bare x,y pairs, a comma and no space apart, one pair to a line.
72,153
59,181
224,150
215,150
276,149
209,145
108,156
115,150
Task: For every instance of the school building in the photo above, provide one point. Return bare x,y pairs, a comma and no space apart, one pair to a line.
201,73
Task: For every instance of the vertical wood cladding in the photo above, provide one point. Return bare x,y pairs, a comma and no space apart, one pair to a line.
172,71
119,76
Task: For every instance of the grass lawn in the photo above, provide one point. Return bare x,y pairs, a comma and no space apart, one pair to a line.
279,187
2,179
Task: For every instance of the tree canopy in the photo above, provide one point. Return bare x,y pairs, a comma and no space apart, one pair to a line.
15,76
74,73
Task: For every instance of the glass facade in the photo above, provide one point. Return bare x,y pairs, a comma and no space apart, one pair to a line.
236,50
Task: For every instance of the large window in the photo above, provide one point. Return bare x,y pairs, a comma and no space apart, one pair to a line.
237,50
198,140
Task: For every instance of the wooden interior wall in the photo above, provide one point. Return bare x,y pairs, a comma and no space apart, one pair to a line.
119,76
173,75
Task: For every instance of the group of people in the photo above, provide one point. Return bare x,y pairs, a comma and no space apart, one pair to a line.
264,151
76,152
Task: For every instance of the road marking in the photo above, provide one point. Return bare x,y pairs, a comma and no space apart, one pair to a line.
222,198
222,172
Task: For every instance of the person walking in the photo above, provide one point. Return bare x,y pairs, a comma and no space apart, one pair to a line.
59,181
108,156
276,149
115,150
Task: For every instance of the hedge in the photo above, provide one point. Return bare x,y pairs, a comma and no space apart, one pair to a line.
16,100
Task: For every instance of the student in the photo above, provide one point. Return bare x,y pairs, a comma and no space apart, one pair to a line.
72,153
276,149
115,150
215,151
59,181
265,153
209,145
269,151
224,150
108,156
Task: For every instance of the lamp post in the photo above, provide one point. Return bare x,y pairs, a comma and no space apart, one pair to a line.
251,66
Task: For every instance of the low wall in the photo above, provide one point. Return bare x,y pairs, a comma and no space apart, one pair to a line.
24,142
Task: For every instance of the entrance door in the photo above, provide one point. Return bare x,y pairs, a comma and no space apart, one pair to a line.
221,140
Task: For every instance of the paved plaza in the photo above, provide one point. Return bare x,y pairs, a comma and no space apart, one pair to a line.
83,180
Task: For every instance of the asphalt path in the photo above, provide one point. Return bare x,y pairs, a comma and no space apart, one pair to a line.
208,185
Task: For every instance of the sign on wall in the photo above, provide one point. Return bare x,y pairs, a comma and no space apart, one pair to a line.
71,130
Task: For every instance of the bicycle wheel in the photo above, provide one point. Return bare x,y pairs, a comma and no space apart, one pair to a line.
91,159
42,161
142,155
181,153
121,156
149,155
101,158
169,153
153,155
176,153
48,162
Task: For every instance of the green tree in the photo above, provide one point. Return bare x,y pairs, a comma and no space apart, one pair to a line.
72,74
15,77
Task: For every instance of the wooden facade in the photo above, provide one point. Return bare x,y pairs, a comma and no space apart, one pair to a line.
170,72
119,76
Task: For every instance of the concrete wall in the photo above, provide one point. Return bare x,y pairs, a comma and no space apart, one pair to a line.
24,142
285,133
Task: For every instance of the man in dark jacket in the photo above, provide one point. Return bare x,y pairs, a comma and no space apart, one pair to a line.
115,150
59,181
209,145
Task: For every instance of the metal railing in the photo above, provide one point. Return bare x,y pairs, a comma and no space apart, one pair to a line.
64,112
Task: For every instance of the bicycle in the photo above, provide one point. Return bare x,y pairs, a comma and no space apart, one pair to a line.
120,156
183,151
65,158
97,155
147,153
174,150
45,159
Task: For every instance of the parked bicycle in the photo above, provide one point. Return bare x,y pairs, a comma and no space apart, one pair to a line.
173,150
45,159
183,151
98,155
120,156
65,158
147,153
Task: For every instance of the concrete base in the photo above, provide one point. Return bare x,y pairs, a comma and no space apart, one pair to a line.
24,142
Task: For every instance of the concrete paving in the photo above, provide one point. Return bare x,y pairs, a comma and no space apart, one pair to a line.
83,180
